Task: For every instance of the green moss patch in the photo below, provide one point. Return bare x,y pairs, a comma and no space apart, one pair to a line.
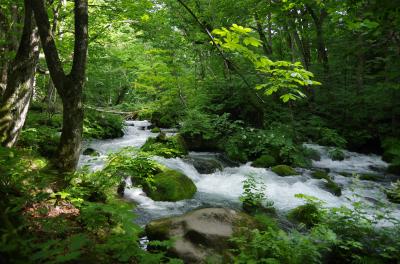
284,170
306,214
332,186
170,185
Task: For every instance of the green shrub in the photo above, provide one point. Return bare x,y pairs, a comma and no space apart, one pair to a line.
102,125
284,170
265,161
168,147
307,214
254,199
155,130
336,154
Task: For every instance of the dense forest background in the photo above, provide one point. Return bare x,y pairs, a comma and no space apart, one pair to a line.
246,78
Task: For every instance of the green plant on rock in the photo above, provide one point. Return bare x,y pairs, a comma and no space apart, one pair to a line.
167,147
336,154
102,125
254,198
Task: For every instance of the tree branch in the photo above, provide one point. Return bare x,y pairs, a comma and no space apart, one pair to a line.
49,46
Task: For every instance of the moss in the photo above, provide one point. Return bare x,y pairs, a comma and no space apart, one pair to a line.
306,214
320,174
155,130
284,170
167,147
264,161
170,185
336,154
370,177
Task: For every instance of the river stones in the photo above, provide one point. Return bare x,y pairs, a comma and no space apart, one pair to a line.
199,234
170,185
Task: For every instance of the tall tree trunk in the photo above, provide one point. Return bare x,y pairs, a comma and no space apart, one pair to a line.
16,99
265,44
68,86
321,46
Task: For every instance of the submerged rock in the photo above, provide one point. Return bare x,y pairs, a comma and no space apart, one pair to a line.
91,152
170,185
284,170
199,234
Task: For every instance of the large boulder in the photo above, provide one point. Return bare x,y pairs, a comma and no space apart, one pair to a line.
199,235
170,185
207,165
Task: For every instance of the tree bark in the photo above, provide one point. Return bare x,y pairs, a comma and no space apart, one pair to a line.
16,99
265,44
70,86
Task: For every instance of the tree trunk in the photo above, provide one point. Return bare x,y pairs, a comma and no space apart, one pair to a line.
71,135
18,93
265,44
69,86
321,47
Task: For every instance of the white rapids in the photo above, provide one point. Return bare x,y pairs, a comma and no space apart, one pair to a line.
223,188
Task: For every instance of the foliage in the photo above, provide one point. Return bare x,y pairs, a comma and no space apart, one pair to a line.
281,76
102,125
264,161
336,154
167,147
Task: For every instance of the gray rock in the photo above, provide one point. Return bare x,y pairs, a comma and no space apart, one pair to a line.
200,234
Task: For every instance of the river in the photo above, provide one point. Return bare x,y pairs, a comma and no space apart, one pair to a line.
223,187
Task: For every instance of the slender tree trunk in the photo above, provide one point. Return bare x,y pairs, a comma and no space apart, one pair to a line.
321,46
68,86
265,44
18,93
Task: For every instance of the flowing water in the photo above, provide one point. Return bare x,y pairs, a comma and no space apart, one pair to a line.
223,187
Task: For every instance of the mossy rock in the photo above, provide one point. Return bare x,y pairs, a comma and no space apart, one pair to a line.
284,170
91,152
155,130
336,154
167,147
306,214
370,177
320,174
265,161
332,186
170,185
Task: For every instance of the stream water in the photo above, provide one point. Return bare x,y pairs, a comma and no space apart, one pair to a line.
223,187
